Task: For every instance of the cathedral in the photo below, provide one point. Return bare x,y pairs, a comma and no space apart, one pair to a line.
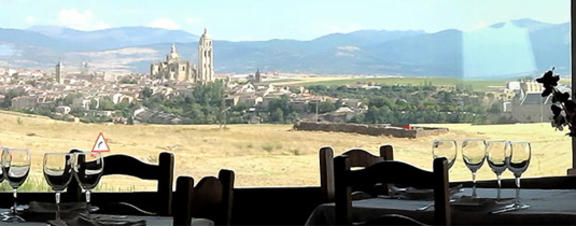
178,70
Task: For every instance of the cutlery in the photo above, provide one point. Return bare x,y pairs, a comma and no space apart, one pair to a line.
509,208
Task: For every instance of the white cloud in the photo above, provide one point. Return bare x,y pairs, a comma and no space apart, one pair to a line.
73,18
165,23
191,20
476,26
30,19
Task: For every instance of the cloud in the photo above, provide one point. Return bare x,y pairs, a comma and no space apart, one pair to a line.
30,19
478,25
191,20
165,23
73,18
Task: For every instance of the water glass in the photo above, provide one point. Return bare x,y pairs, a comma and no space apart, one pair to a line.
15,167
88,168
518,162
473,154
497,154
57,169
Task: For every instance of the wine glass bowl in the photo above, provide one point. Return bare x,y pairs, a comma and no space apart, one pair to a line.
474,153
15,168
497,151
445,148
520,155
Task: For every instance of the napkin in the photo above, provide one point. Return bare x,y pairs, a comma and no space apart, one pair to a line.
43,211
481,203
99,220
50,207
412,193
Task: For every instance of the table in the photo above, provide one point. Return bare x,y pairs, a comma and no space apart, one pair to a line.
546,207
150,221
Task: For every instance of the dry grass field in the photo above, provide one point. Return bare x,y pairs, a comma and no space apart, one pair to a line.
261,155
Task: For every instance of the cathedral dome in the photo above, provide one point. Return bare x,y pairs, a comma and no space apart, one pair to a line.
173,55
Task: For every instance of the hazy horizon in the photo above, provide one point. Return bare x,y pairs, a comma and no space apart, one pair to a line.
252,20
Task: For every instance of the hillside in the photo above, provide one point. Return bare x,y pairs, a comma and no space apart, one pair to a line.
261,155
519,47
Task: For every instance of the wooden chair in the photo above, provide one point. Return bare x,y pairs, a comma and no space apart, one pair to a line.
358,158
211,198
391,172
156,203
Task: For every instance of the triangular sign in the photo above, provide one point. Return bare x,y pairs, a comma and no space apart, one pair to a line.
100,145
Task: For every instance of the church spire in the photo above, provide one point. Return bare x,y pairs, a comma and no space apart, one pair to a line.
173,55
173,48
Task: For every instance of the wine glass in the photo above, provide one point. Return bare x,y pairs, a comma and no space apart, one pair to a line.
88,168
57,169
520,154
15,167
446,149
497,154
473,154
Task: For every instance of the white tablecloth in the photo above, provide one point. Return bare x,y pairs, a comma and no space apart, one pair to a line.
546,207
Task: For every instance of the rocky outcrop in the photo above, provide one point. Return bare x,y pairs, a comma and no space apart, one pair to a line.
373,130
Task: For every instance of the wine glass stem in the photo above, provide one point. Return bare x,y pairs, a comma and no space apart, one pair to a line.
499,185
57,205
15,203
473,184
88,197
517,180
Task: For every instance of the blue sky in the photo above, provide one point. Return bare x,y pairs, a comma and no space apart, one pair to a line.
268,19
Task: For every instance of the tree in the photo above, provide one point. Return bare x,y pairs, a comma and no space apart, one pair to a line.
324,107
277,115
146,92
495,108
106,104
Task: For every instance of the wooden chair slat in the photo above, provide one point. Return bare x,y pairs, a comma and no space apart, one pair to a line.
211,198
358,158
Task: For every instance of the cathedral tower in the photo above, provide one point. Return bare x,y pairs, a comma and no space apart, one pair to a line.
205,59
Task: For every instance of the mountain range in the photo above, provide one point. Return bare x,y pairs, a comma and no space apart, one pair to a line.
514,48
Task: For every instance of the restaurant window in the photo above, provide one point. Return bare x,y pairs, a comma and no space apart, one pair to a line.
464,69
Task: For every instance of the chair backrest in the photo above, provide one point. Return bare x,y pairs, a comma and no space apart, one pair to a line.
211,198
358,158
163,173
386,172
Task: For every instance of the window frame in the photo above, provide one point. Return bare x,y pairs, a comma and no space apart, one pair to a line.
572,171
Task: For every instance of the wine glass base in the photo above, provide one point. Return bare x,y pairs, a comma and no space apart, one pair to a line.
92,209
13,218
521,206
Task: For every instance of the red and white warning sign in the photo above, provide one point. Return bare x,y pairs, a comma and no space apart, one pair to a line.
100,145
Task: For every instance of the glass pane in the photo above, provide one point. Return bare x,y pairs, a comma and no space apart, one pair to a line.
259,87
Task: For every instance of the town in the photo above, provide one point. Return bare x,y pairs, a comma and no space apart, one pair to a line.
177,91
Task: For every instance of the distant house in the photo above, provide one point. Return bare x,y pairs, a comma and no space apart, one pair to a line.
24,102
63,110
532,107
98,113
